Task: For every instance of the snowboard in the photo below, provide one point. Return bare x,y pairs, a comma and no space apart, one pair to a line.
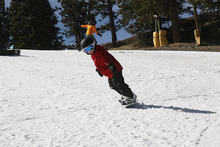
128,105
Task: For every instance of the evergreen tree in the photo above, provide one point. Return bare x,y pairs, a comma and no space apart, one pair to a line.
74,14
207,20
4,26
33,25
104,7
138,14
205,6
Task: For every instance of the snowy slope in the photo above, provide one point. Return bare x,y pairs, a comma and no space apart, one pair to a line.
55,98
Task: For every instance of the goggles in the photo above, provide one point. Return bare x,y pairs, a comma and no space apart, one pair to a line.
89,48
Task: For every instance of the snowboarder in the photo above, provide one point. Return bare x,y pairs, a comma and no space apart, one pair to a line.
108,66
91,28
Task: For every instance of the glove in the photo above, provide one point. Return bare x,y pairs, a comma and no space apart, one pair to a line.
99,35
112,67
101,75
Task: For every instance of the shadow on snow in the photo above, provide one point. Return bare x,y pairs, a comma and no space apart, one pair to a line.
187,110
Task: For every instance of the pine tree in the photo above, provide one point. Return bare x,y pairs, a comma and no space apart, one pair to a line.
138,14
4,26
105,8
209,14
33,25
128,14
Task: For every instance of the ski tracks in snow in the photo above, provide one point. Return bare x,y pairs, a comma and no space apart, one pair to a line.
55,98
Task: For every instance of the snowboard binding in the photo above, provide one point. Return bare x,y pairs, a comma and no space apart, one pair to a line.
128,101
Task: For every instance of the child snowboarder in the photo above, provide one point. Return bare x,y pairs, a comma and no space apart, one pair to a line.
91,28
108,66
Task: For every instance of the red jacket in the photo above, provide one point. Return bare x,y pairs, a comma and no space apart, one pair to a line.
101,57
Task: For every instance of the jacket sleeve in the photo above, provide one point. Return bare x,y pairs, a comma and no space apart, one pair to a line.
94,29
84,26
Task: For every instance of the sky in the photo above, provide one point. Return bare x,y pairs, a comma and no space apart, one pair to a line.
106,37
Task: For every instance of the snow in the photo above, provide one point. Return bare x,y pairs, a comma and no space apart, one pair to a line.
55,98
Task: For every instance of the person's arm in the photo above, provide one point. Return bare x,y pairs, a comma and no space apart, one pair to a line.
100,74
94,29
112,67
109,60
99,34
84,26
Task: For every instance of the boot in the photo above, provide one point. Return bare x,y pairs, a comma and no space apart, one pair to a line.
125,100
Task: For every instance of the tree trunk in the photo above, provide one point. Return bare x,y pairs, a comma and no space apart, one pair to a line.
112,23
174,21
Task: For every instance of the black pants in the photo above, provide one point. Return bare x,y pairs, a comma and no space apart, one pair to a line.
118,84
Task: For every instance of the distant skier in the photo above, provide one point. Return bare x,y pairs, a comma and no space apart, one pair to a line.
107,65
91,28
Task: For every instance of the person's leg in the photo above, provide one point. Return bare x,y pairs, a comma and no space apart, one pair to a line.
111,85
117,83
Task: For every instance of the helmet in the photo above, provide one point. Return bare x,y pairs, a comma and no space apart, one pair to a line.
92,22
86,42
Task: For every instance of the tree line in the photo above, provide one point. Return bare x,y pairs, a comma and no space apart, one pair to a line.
31,24
136,16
